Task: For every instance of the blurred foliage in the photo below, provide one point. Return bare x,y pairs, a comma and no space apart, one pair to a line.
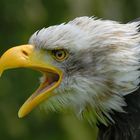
18,20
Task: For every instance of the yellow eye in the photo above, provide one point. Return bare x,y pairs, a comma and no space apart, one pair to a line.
60,54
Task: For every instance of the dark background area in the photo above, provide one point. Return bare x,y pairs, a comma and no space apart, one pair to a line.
18,20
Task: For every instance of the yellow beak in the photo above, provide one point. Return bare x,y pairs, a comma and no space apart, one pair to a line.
28,56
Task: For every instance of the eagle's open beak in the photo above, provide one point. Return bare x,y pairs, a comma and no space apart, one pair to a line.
28,56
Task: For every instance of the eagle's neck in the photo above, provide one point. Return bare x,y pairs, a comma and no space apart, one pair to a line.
127,125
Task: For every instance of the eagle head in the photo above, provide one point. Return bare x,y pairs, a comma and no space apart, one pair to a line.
88,66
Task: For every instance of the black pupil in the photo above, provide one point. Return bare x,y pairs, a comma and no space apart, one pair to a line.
59,53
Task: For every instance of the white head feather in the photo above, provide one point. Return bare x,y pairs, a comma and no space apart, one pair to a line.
107,57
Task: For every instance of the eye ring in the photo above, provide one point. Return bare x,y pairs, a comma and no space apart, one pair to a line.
60,54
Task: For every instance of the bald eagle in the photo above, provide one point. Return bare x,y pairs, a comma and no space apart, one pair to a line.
89,66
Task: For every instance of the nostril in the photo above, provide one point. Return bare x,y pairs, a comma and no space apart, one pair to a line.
25,53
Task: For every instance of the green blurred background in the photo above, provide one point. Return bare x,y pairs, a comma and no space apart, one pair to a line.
18,20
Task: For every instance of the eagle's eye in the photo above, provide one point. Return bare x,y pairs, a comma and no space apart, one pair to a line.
59,54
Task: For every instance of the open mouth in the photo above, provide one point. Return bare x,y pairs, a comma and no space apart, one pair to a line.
48,82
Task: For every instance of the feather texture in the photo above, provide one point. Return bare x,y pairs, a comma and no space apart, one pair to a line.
102,68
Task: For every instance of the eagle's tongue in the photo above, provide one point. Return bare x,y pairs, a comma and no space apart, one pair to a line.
49,81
